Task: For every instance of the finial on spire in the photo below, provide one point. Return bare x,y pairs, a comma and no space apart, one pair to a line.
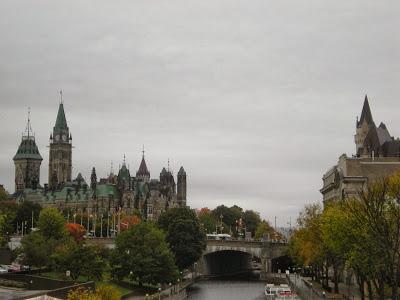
61,98
143,151
124,159
112,168
168,164
28,129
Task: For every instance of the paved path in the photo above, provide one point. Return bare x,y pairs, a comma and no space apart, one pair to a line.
314,292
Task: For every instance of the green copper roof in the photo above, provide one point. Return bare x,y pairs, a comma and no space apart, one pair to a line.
28,150
124,173
61,122
70,195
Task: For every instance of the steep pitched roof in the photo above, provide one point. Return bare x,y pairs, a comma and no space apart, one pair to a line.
182,171
28,150
124,173
143,168
61,122
383,134
366,113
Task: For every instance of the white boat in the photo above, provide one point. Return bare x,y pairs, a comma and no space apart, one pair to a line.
279,292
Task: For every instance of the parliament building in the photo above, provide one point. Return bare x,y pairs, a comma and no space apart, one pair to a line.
120,192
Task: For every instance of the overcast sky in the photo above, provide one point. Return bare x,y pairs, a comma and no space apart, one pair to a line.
256,99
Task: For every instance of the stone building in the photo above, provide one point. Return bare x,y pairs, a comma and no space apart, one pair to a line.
60,153
377,155
27,162
115,193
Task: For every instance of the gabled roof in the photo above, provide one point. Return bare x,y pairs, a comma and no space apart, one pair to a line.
143,171
366,113
61,122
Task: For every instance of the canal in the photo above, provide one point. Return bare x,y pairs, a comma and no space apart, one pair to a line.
226,290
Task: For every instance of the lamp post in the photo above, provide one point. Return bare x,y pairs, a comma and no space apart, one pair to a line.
108,224
101,225
221,217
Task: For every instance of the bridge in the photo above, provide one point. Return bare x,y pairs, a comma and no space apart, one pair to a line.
233,256
228,256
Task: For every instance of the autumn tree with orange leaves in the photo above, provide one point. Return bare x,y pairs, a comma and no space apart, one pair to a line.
129,221
77,231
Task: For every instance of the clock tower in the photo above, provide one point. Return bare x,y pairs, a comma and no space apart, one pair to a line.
60,154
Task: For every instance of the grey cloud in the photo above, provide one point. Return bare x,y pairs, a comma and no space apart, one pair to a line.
256,99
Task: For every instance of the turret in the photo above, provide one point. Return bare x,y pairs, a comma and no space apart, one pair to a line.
363,125
27,161
143,173
181,187
93,179
124,177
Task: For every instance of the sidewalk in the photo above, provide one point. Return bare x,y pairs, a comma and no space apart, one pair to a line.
307,290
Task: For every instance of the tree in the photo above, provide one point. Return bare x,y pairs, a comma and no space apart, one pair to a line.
207,220
142,254
306,246
38,247
264,229
129,221
52,224
182,228
79,259
251,220
334,222
36,250
229,215
77,231
25,210
3,193
378,213
3,230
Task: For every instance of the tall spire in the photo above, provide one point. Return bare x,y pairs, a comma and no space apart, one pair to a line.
143,171
28,129
366,113
61,122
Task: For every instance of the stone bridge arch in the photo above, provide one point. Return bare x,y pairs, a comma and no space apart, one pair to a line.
244,250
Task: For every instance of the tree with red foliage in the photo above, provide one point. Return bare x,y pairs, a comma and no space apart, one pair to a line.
129,221
77,231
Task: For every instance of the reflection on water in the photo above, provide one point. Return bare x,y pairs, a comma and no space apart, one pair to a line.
226,290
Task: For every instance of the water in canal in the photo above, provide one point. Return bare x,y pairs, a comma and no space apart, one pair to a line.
226,290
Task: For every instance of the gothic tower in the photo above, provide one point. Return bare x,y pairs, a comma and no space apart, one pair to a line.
27,162
93,179
60,156
143,173
181,187
362,127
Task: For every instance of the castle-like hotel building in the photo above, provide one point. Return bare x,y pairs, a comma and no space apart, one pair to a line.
117,192
377,155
